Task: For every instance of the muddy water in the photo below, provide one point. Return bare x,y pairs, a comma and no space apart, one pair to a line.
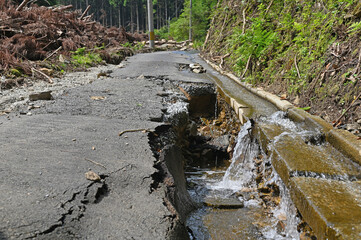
233,205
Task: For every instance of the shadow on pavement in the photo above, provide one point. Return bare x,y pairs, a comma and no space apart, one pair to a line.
2,236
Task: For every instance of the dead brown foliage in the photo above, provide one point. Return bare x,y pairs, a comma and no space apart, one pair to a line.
34,33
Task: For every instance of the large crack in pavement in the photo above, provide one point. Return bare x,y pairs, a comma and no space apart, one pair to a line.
46,153
75,207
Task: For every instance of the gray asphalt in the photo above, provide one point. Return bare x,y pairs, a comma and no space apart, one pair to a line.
44,158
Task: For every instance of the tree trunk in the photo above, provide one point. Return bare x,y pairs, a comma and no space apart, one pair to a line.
119,17
111,15
176,8
131,18
123,16
190,20
137,13
166,13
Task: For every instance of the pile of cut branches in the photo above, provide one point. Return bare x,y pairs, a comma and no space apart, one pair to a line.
33,33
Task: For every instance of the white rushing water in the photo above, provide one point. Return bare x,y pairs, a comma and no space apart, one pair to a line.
241,174
285,211
273,222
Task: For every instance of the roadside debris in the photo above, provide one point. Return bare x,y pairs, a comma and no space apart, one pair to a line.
41,96
92,176
134,130
41,33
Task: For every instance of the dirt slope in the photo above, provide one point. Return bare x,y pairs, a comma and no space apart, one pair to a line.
305,51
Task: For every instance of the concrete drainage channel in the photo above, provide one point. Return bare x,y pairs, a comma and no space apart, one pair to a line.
285,179
228,194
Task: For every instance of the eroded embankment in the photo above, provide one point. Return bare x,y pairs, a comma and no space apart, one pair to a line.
294,161
202,142
177,143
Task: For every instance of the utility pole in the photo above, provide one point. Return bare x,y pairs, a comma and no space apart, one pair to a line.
151,24
190,20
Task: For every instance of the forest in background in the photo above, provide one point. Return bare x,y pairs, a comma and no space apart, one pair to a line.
130,14
171,17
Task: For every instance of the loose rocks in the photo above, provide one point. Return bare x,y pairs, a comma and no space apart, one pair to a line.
41,96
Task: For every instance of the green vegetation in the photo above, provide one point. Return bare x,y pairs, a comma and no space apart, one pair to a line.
162,33
83,58
135,47
15,72
276,33
307,49
201,11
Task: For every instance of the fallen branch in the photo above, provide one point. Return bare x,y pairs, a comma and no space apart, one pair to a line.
209,30
89,23
356,70
221,30
269,6
57,50
343,114
244,20
96,163
47,45
22,5
222,59
85,12
120,169
62,8
87,18
298,71
245,70
134,130
43,74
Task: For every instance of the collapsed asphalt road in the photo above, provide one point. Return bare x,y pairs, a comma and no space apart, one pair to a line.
45,153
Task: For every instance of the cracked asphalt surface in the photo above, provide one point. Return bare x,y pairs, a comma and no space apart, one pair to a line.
44,157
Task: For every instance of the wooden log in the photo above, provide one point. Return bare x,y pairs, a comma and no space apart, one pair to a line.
85,12
62,8
22,5
57,50
43,74
90,23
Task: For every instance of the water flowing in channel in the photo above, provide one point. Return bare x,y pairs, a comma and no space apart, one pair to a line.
241,175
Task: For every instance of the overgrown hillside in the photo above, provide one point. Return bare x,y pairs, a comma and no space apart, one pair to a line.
307,49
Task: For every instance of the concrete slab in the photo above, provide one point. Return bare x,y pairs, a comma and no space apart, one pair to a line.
292,156
346,142
299,158
332,208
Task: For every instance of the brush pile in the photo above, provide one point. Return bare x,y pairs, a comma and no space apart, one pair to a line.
33,33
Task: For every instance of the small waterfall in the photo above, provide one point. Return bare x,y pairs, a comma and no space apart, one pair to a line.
285,212
241,181
240,173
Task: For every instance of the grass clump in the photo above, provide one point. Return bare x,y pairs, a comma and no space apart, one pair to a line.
84,58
